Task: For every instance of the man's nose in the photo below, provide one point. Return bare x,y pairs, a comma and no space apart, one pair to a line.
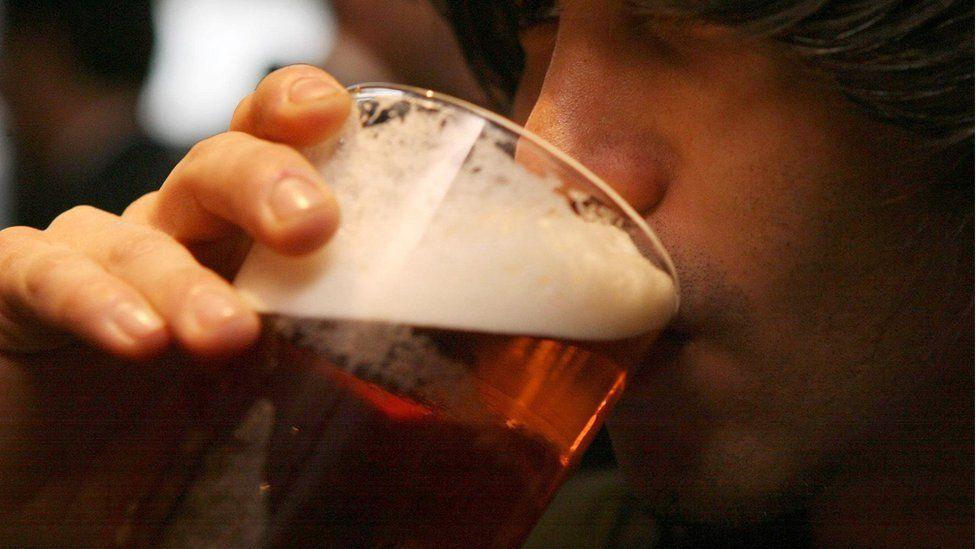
607,138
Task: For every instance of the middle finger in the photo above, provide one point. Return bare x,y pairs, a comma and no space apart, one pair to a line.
237,180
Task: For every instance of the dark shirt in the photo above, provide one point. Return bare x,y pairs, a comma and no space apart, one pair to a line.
139,167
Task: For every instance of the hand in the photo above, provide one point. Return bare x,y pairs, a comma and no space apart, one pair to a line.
83,299
130,285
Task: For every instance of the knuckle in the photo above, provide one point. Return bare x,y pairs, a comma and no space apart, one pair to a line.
257,172
199,149
241,112
98,293
140,204
15,245
217,142
137,246
16,236
74,217
184,283
290,69
286,73
267,160
251,166
204,148
202,153
43,278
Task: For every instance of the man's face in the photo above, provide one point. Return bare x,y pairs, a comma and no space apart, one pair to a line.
777,201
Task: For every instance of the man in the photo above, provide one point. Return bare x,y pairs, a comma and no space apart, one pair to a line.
70,75
807,164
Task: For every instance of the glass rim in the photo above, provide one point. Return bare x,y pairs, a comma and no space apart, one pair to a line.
552,150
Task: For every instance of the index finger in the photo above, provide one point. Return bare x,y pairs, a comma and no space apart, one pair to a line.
298,105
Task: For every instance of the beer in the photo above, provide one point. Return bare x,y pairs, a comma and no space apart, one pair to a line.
364,458
429,384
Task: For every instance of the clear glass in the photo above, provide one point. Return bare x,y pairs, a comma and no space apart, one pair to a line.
438,369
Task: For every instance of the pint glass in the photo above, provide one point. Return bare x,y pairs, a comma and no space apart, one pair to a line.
433,369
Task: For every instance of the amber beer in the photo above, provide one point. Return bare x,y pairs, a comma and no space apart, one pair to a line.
428,382
365,458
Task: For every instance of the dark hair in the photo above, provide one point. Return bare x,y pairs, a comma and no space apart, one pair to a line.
112,41
909,63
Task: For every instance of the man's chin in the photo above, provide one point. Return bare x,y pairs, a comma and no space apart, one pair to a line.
701,470
686,489
697,518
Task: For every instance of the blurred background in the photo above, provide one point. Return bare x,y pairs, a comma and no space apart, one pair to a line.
170,74
210,53
100,98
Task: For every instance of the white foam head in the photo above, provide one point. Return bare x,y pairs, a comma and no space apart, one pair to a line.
442,228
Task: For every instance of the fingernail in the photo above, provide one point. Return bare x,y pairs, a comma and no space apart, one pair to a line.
294,196
307,90
213,310
136,321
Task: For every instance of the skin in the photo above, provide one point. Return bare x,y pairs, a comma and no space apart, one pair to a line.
821,359
804,346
